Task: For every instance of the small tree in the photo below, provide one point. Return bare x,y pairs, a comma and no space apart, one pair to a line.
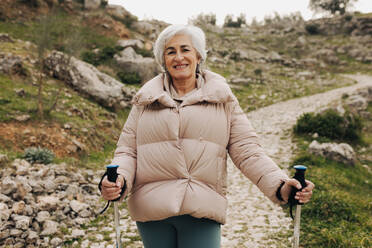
230,22
44,42
331,6
53,31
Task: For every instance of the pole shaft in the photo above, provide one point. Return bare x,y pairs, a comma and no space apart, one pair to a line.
296,231
117,224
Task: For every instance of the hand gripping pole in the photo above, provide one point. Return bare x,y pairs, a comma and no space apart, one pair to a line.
112,175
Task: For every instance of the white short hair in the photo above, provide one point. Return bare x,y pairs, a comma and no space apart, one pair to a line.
197,38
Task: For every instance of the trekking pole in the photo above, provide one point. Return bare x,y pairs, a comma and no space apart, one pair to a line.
300,176
112,175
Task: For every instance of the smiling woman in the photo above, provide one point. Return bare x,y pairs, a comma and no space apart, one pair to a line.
173,149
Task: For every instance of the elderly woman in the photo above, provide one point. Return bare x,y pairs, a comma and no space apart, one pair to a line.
173,148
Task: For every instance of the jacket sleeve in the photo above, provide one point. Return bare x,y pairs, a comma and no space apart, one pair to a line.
248,155
126,150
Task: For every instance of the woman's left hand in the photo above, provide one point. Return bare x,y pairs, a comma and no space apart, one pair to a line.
302,196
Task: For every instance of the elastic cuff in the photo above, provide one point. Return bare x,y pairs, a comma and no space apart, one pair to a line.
278,194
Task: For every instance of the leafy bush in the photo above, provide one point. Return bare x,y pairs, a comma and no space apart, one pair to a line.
312,28
284,21
203,19
144,52
230,22
90,57
330,125
129,78
38,155
103,55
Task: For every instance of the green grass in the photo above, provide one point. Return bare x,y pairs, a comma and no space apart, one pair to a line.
339,214
100,141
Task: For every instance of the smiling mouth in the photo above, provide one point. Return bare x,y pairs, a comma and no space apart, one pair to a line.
180,67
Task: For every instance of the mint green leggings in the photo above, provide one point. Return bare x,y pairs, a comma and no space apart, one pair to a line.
182,231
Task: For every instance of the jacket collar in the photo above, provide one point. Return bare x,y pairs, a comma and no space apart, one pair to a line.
214,90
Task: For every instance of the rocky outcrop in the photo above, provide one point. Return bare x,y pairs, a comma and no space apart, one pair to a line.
131,62
347,24
92,4
86,79
40,201
118,12
11,64
342,152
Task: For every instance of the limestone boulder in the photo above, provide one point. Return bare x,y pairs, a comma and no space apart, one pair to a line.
342,152
88,80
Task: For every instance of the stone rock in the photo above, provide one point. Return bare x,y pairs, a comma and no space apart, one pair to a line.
18,207
15,232
77,233
357,102
342,152
11,64
145,28
8,186
47,202
274,57
21,222
131,62
49,228
118,12
92,4
22,118
6,38
4,234
87,79
130,43
32,237
4,212
56,241
249,55
42,216
4,198
78,207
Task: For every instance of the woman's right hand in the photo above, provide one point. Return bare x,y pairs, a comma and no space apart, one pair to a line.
111,191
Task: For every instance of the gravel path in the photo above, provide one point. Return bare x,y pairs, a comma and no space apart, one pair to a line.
253,221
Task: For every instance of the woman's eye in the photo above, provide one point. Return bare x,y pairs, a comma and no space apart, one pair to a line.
170,52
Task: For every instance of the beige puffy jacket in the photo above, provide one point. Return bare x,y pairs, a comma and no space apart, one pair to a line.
173,158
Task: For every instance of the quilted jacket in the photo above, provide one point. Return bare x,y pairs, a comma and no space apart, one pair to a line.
173,156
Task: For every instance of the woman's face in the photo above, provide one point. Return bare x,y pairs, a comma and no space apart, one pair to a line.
180,57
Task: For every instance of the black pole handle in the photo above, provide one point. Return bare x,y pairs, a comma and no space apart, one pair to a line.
299,176
112,173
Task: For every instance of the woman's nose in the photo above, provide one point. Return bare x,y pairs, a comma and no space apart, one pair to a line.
179,56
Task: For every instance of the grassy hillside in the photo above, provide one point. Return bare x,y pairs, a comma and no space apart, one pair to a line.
84,134
339,215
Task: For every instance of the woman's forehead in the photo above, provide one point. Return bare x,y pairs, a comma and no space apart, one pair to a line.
179,40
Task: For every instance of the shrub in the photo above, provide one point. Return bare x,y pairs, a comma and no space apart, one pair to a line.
229,22
90,57
330,125
312,28
38,155
129,78
144,52
203,19
105,54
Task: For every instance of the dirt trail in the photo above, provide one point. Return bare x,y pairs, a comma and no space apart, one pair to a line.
253,221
